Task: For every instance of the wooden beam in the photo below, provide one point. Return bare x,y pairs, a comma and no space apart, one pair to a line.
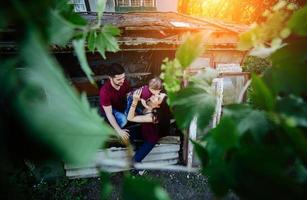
101,77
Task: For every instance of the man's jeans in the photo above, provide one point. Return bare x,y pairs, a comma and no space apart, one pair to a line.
120,118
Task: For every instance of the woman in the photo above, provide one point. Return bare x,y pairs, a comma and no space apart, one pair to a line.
155,122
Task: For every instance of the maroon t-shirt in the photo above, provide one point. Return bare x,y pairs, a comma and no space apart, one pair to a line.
146,94
109,96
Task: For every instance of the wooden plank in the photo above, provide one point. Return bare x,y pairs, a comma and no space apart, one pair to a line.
160,152
163,140
94,172
158,157
101,156
118,152
170,140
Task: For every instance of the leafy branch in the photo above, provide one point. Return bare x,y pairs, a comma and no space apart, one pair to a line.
197,98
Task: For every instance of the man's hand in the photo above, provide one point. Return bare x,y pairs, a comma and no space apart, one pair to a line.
124,135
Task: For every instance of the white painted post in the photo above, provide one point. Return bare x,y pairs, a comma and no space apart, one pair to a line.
217,85
192,135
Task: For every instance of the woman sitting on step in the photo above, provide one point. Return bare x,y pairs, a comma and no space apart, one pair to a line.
155,122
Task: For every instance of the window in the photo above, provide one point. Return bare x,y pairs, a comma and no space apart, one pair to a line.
148,3
123,2
79,5
135,3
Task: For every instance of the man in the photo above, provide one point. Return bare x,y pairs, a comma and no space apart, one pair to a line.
113,96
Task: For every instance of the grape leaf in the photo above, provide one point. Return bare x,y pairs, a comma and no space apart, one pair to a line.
58,118
80,52
298,23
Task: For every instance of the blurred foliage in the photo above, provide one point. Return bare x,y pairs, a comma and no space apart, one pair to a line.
259,150
37,93
192,48
256,65
139,188
106,186
197,98
42,116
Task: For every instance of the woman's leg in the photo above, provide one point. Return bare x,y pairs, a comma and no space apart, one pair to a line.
143,151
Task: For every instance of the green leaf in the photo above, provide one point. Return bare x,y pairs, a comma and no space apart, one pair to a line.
262,96
8,77
193,102
171,76
223,138
248,120
192,48
289,68
204,79
80,52
106,186
246,40
138,188
289,106
301,172
200,149
111,30
101,46
67,11
55,114
222,143
59,29
101,5
298,139
110,42
106,42
297,22
91,41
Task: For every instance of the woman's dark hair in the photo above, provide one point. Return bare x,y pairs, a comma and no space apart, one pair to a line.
162,117
115,69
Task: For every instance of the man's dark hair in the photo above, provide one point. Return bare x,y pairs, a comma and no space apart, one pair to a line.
115,69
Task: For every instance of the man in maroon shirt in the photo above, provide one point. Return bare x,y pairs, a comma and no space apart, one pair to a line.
113,95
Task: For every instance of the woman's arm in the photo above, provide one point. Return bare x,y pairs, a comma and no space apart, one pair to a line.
144,103
131,114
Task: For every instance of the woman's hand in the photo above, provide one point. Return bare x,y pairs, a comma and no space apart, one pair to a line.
137,94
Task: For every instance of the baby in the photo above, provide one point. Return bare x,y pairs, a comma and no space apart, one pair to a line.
149,92
152,89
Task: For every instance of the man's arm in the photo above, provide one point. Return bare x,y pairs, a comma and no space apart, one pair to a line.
123,133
